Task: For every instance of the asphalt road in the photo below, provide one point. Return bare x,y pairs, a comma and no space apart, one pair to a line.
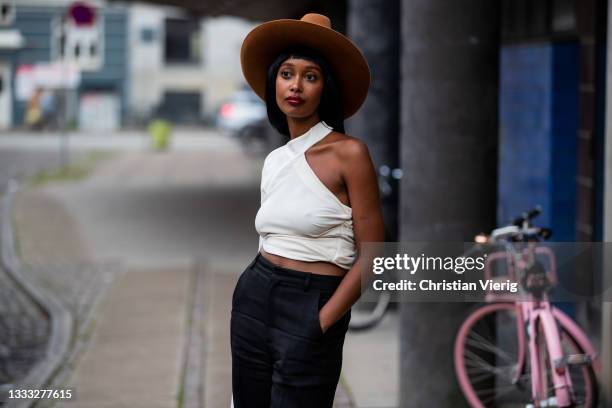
160,209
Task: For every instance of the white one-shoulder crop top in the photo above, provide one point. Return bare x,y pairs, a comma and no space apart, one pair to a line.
299,217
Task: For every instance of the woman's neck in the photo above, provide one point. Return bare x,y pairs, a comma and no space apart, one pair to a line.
298,127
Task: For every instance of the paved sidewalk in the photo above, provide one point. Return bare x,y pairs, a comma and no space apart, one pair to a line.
370,369
134,358
163,223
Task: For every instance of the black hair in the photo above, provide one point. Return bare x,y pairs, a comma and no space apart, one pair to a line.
330,106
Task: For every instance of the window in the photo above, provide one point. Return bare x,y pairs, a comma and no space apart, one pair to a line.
181,107
182,41
148,35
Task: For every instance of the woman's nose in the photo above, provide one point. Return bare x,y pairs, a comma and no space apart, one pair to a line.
295,84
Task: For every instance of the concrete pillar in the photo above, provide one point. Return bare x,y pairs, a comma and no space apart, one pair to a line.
449,132
374,26
606,323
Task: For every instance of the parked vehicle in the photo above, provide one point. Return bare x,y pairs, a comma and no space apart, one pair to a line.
258,138
524,352
242,109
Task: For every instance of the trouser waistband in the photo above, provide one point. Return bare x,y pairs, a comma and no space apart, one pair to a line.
294,277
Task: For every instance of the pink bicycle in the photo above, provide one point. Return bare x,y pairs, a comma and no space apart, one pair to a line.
519,350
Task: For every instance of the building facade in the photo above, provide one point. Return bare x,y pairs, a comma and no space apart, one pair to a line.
84,67
130,64
182,67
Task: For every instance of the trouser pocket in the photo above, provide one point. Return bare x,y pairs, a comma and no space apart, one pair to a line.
340,327
318,331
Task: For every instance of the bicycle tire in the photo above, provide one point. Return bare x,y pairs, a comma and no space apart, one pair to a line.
469,339
365,320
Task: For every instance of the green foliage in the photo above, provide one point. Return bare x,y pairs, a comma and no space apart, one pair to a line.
73,172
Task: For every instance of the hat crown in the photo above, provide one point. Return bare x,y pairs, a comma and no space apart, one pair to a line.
318,19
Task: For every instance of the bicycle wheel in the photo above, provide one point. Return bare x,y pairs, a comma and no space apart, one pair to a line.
365,315
494,371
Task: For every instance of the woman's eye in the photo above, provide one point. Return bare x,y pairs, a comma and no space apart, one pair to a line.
285,74
311,77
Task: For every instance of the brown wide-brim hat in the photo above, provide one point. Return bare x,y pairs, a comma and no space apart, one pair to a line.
266,41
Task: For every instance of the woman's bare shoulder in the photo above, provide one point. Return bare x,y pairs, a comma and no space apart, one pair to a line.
349,147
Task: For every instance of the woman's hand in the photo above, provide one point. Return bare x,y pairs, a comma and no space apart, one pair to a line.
323,322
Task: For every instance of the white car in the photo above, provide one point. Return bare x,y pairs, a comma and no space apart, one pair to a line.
242,109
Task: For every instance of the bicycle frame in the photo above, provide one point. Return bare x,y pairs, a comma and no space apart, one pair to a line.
560,376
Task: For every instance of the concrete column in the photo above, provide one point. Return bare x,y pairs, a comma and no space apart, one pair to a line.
606,323
449,132
374,26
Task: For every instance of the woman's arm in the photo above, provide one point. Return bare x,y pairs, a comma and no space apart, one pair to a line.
362,185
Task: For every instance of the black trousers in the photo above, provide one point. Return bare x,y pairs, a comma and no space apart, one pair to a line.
280,356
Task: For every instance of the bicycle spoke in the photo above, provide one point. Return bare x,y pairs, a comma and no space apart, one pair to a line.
478,378
503,370
498,395
486,345
474,358
489,368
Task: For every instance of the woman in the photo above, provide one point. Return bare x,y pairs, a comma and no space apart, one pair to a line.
319,203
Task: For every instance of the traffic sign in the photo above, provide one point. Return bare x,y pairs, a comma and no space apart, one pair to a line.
81,14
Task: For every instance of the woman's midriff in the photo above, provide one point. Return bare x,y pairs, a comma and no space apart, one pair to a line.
321,268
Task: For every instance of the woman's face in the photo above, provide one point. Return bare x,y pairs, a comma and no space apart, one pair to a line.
299,85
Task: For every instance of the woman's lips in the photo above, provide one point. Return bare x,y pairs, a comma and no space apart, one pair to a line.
294,101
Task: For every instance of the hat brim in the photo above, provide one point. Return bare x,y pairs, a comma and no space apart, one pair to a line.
264,43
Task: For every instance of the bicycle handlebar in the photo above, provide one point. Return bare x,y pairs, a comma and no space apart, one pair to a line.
520,229
526,217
